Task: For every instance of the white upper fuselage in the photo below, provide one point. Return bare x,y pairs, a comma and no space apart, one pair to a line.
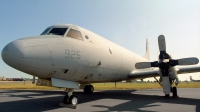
90,59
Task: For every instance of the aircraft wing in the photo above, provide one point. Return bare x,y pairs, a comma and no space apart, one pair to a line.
155,72
144,74
189,69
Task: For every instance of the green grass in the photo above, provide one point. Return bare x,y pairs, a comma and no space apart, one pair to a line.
97,86
23,85
141,85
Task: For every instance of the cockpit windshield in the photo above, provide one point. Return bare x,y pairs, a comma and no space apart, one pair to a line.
46,31
57,31
54,31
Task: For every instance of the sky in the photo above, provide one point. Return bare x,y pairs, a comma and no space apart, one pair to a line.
126,22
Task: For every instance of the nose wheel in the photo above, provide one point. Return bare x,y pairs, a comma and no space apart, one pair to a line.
70,98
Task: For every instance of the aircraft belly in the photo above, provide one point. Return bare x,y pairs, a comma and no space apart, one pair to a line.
42,73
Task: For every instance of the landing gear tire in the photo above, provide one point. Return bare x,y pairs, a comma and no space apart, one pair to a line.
91,89
85,89
88,89
73,100
69,98
171,89
66,99
174,92
167,95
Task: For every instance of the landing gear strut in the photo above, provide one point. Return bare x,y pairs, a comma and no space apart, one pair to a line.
174,91
88,89
70,98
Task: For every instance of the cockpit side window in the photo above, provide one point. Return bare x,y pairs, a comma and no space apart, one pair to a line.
46,31
58,31
74,34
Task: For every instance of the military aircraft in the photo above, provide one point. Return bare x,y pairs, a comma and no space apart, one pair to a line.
192,80
72,57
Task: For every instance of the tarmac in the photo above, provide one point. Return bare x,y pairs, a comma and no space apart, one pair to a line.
149,100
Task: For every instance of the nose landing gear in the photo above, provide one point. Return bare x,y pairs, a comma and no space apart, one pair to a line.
70,98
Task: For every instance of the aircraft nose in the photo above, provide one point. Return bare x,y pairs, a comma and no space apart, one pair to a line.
12,53
4,53
31,56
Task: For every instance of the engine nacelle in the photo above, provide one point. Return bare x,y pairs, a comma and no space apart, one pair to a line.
173,73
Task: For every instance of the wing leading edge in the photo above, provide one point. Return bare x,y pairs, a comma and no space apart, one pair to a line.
155,72
144,74
190,69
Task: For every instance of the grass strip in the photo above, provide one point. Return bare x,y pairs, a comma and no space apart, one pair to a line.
98,86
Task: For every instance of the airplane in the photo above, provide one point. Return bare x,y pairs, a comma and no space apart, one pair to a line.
192,80
69,56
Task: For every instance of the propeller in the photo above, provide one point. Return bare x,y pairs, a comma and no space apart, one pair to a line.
164,58
164,63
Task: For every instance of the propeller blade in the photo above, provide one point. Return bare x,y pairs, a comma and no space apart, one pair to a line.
162,47
142,65
155,64
161,43
188,61
173,62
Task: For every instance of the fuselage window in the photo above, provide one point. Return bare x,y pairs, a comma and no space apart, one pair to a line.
74,34
58,31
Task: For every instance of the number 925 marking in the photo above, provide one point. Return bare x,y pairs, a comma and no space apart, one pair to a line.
72,54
